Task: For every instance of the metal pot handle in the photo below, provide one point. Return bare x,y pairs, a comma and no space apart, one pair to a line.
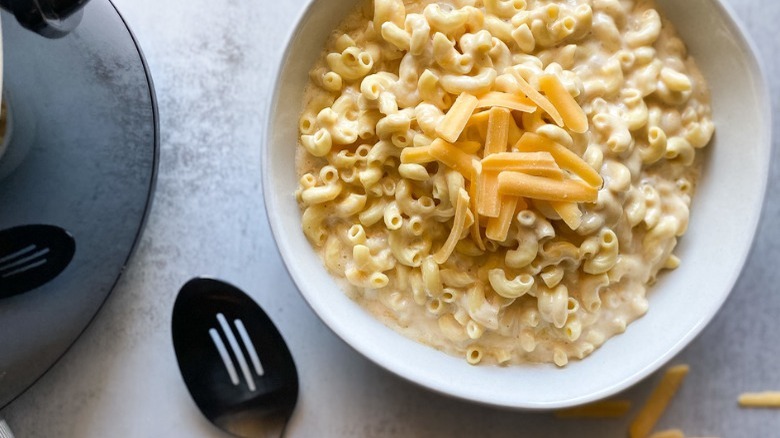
49,18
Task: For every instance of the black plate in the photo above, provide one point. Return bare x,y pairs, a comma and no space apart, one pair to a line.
83,156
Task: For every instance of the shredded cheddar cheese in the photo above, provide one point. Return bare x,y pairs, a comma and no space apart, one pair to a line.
453,157
564,157
461,212
417,155
456,118
473,139
498,227
573,116
495,99
540,101
546,189
569,212
476,233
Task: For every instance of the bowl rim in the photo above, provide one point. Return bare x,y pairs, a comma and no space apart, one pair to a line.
754,63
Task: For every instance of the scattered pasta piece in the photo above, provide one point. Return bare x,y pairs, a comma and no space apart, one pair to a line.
457,117
658,401
673,262
767,399
601,409
671,433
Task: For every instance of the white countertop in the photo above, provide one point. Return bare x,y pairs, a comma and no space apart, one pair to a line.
211,64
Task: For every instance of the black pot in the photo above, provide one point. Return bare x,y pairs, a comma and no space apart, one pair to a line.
50,18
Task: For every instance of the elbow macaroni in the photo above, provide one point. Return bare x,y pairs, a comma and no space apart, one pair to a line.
547,257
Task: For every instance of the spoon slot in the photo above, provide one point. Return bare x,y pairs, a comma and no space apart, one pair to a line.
237,353
250,347
22,261
223,353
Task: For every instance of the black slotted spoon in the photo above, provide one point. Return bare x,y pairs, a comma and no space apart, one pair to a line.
233,359
31,256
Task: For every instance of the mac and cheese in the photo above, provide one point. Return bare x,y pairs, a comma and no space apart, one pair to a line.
502,179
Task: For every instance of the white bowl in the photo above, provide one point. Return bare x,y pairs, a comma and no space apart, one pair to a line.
724,219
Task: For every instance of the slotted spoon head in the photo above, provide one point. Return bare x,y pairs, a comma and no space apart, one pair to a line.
233,359
31,256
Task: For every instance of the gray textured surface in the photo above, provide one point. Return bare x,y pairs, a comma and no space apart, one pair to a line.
211,63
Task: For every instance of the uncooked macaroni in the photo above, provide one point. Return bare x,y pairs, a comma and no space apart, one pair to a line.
657,402
767,399
502,179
